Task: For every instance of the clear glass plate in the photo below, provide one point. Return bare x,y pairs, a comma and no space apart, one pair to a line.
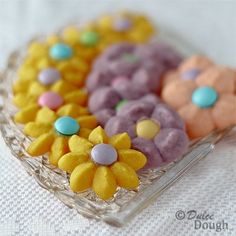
125,204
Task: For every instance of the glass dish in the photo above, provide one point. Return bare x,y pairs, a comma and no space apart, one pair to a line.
126,204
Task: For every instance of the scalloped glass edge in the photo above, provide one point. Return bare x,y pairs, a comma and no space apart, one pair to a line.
126,204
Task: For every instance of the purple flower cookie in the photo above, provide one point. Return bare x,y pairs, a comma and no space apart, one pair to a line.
106,102
155,129
125,66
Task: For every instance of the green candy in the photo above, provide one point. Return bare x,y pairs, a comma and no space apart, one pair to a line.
130,58
121,104
89,38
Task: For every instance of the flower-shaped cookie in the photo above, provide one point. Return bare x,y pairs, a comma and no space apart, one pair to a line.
123,26
53,136
105,102
102,163
203,94
155,129
125,64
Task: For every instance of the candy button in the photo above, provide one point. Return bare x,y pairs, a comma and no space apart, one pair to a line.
89,38
51,100
147,129
66,126
104,154
204,97
60,51
130,58
121,104
122,24
190,74
119,80
49,76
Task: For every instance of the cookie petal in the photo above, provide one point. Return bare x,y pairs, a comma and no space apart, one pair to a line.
171,143
133,158
82,177
125,176
224,111
199,122
178,93
104,183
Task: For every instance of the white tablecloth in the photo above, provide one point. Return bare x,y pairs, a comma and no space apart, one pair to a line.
209,188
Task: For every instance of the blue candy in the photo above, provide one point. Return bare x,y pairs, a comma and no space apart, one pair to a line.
60,51
204,97
66,126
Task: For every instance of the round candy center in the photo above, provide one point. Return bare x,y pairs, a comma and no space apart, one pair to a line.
147,129
190,74
61,51
51,100
103,154
119,80
89,38
122,24
129,57
49,76
66,126
120,104
204,97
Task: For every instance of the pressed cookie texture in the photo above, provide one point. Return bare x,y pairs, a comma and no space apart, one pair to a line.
112,165
206,100
155,129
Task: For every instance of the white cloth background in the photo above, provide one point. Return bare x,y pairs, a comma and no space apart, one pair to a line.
26,209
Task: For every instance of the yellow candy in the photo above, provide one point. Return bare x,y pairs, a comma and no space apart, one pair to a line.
34,129
22,100
41,145
69,161
133,158
72,110
147,129
82,177
46,115
125,175
89,122
120,141
62,87
98,135
36,89
104,183
79,97
27,114
58,149
79,145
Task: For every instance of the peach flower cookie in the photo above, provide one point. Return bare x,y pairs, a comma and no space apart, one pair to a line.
189,69
206,102
155,129
102,163
52,137
124,66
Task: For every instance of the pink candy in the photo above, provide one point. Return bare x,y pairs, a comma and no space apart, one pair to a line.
51,100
